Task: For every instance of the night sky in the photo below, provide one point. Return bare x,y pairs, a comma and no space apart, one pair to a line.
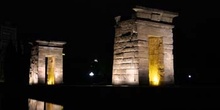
88,29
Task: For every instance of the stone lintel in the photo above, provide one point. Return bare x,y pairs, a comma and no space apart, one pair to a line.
156,14
154,24
51,43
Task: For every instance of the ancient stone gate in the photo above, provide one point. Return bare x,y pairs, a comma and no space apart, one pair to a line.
143,48
46,63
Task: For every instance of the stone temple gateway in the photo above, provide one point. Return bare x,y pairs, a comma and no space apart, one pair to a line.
46,63
143,48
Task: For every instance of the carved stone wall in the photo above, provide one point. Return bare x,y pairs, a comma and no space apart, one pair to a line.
125,68
38,64
33,76
131,57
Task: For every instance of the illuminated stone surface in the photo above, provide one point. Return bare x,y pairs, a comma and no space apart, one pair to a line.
131,47
46,64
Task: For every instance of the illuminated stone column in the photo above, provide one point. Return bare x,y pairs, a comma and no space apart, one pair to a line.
125,67
147,30
46,66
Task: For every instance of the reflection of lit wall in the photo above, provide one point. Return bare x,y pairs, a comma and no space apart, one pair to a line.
132,62
46,65
41,105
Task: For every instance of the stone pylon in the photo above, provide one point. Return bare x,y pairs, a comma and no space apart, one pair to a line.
46,63
143,48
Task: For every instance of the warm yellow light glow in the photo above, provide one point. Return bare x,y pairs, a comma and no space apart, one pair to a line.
155,60
155,80
154,76
51,76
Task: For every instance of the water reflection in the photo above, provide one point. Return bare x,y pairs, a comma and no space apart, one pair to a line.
42,105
